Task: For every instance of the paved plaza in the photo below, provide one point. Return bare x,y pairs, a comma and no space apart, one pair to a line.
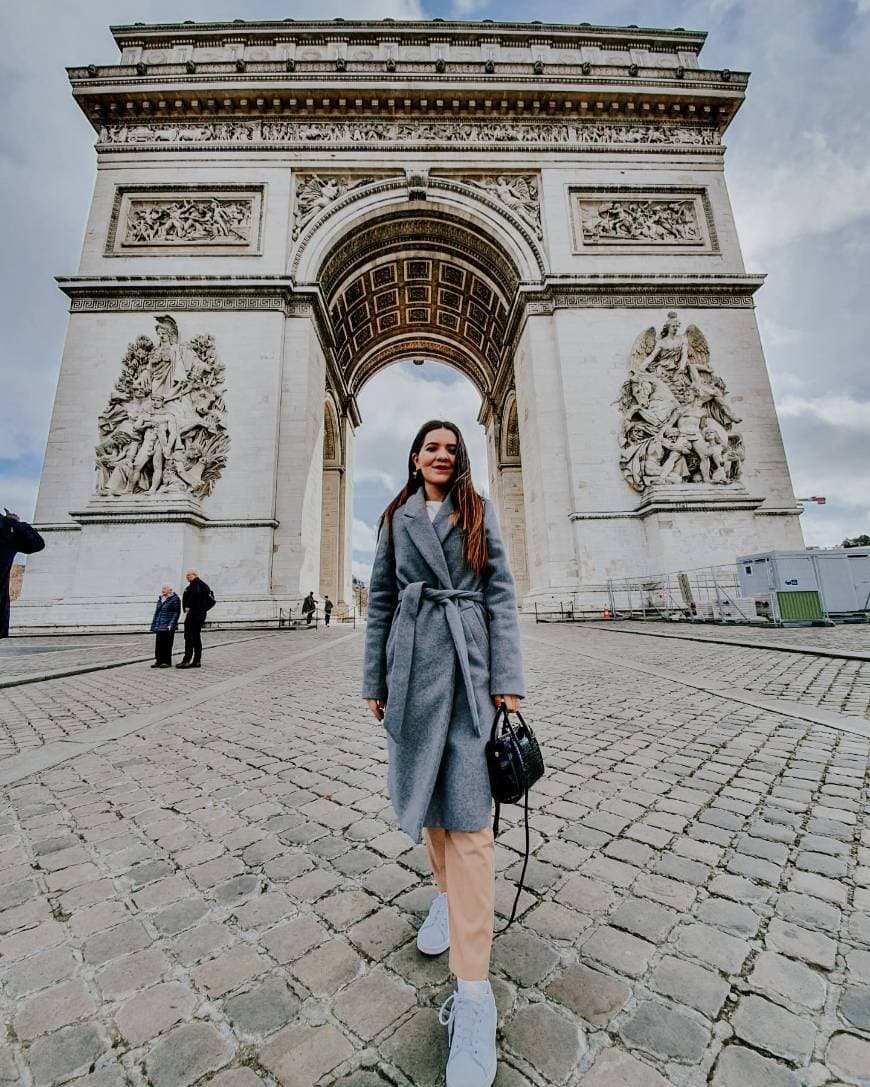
200,880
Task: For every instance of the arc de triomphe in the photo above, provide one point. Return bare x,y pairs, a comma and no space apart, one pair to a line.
283,209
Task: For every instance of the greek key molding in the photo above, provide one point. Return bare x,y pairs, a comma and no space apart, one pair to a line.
640,299
379,134
146,303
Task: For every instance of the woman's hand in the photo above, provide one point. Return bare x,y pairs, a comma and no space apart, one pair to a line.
511,701
376,705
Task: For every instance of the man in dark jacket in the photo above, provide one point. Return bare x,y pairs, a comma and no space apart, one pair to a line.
309,606
163,626
15,535
327,610
197,600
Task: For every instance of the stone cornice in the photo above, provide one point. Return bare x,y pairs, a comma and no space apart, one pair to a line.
408,31
434,70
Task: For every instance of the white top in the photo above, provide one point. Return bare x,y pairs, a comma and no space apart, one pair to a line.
432,509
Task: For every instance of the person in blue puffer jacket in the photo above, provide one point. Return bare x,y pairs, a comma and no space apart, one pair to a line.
163,626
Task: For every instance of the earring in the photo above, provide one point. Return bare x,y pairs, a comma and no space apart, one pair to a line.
417,476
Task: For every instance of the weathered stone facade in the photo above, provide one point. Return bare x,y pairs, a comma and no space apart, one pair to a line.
311,202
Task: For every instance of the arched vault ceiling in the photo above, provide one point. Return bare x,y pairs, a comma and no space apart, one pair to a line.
413,278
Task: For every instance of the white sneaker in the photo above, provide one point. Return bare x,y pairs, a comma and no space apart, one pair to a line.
471,1023
434,935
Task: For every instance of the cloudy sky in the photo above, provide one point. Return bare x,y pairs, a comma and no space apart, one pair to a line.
798,168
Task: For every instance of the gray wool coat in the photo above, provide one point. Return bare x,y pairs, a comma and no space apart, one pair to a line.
440,641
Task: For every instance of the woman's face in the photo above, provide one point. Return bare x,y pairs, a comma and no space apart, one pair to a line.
437,458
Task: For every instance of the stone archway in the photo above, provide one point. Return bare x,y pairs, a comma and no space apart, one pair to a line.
547,212
420,281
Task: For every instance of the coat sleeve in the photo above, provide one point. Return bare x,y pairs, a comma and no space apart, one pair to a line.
26,539
174,611
383,596
505,653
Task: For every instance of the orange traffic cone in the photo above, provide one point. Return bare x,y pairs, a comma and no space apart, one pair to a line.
606,614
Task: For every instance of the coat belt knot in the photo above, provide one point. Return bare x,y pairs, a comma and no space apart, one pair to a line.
410,599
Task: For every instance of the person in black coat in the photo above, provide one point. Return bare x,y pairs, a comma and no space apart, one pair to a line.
309,607
197,600
163,626
15,535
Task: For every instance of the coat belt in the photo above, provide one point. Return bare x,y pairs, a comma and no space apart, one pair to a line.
410,598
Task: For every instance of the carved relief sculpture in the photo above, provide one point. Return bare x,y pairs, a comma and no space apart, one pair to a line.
677,424
315,193
667,222
164,429
518,194
189,222
394,133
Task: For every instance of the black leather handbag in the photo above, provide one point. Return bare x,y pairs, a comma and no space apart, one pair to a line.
515,763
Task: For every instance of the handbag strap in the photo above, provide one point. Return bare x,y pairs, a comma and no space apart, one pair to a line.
522,879
502,712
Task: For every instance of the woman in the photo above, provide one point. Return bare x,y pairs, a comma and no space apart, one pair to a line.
443,642
163,626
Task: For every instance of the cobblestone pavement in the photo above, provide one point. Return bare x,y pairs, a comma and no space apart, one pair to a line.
220,895
39,713
832,683
23,656
848,637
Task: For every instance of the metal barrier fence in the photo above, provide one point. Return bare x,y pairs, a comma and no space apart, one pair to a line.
290,620
707,594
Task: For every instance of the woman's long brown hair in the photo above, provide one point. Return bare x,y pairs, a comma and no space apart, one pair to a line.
469,510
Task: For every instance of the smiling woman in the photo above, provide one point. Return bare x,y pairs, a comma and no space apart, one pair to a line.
392,405
443,645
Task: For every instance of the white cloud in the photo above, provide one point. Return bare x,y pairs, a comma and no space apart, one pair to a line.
841,411
805,194
364,537
464,9
362,571
18,494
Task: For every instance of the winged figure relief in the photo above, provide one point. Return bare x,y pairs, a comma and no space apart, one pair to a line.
677,423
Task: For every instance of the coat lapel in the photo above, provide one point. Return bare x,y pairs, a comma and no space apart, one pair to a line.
422,532
443,523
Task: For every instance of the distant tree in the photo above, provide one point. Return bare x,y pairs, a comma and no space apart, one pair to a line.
857,541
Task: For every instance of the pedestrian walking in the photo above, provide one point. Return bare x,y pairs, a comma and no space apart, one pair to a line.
15,535
327,610
197,601
164,625
443,646
309,607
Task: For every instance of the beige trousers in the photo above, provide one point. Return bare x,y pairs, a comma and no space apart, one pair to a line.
463,863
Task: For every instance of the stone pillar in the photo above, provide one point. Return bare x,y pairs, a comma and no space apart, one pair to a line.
513,525
299,484
552,568
345,563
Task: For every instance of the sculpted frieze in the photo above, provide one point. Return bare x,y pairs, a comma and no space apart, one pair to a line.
678,425
385,133
189,221
648,221
164,430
